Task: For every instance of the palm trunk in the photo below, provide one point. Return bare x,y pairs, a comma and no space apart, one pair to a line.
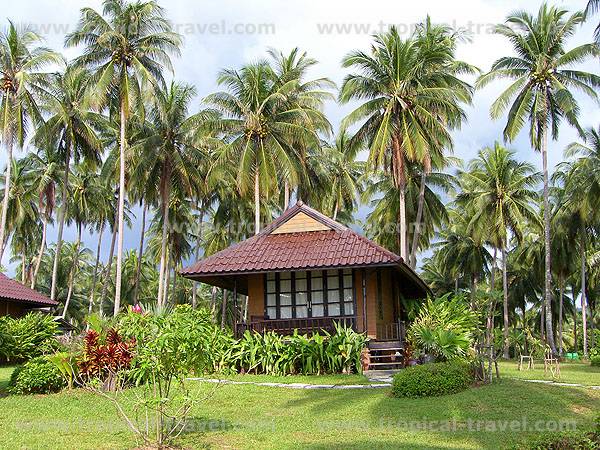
223,308
335,210
7,179
286,195
505,301
548,273
23,269
162,275
403,245
575,346
542,323
417,233
121,213
213,303
167,280
256,202
95,274
61,224
138,266
197,254
73,271
584,304
38,260
108,270
473,290
560,315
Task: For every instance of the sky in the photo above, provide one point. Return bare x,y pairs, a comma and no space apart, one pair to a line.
229,34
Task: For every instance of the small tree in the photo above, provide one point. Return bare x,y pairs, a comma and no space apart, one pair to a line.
168,347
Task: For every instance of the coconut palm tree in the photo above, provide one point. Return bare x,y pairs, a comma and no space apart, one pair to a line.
87,196
291,70
344,174
264,122
500,191
462,252
382,194
127,45
172,153
581,179
46,167
70,131
22,219
21,82
410,105
541,92
593,7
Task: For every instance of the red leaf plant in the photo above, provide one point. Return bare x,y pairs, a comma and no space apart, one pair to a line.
105,360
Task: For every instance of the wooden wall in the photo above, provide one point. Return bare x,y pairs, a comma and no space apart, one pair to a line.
13,309
256,296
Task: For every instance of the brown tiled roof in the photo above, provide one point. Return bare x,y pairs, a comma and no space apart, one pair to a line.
337,247
13,290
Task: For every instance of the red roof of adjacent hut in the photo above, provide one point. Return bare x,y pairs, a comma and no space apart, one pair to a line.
15,291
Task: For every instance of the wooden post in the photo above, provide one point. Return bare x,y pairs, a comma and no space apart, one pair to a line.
364,298
235,305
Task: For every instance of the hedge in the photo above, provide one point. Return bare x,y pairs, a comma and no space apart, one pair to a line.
432,379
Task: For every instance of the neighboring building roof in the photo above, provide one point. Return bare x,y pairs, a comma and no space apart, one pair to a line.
15,291
282,246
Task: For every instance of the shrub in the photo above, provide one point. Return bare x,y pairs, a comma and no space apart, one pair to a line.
194,339
444,328
432,379
166,347
27,337
595,360
37,376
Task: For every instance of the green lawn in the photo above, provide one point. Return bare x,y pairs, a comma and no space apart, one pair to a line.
5,372
570,372
246,416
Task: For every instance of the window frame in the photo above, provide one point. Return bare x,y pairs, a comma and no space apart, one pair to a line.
310,275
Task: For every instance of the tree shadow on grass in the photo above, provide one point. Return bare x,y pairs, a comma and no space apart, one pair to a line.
474,411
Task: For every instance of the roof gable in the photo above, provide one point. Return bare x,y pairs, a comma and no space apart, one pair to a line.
300,222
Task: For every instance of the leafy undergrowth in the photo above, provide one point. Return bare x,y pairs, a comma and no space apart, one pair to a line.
247,416
335,379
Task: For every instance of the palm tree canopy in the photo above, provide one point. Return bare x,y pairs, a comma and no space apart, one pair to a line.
541,73
129,41
500,191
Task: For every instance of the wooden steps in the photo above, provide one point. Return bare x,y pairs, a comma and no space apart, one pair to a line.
385,355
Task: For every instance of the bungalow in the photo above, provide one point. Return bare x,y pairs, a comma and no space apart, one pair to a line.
304,271
16,300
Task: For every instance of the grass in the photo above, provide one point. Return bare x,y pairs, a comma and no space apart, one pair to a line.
570,372
246,416
5,373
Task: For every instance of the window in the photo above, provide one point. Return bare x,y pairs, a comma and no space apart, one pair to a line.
297,295
317,299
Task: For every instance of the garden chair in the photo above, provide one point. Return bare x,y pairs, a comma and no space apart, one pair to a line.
529,359
551,362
